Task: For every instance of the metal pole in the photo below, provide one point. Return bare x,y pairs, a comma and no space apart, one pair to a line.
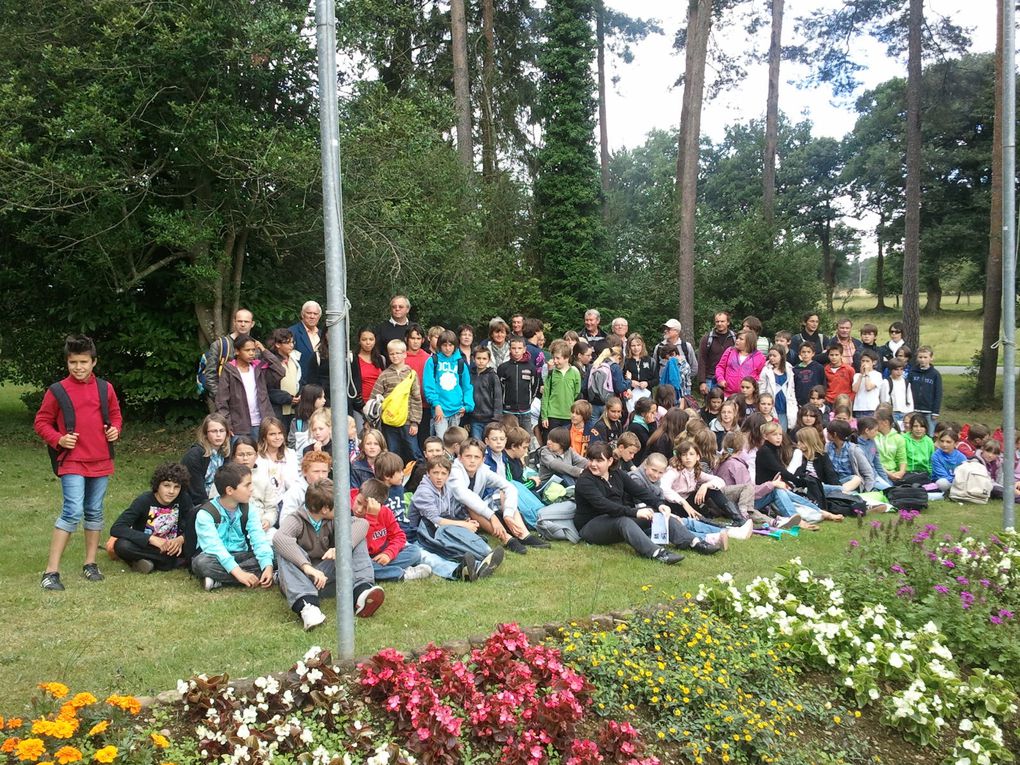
1008,262
337,307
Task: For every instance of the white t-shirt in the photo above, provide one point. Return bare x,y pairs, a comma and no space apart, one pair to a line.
248,380
867,400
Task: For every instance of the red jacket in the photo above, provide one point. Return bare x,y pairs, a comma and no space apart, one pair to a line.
839,381
91,456
384,534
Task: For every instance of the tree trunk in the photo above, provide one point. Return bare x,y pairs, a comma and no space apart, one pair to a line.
461,84
934,294
992,307
880,265
240,247
772,115
699,23
600,41
828,267
912,218
489,161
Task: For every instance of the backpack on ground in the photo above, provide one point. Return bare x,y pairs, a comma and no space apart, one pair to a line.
396,406
202,374
908,497
971,483
600,384
58,453
848,505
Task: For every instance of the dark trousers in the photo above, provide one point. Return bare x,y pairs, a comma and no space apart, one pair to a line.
129,552
608,530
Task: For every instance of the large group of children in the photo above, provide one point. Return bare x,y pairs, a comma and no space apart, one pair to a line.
461,451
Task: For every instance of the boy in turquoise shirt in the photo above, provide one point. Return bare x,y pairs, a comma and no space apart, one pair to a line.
232,548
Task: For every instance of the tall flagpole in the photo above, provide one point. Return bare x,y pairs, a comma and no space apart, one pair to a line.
337,307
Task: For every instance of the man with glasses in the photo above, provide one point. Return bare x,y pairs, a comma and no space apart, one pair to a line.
222,350
395,327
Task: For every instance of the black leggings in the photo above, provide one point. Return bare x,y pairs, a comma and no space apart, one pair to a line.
610,529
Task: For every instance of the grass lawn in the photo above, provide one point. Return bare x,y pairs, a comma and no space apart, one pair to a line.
139,634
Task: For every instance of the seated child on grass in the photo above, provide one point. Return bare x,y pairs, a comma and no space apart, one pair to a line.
149,535
393,558
433,448
445,529
971,442
920,447
306,548
991,457
558,460
373,443
320,431
315,466
892,447
580,426
867,429
490,499
945,459
231,546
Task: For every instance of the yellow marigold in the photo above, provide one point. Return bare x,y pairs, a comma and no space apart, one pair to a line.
83,700
64,728
68,711
127,703
56,690
99,727
106,754
67,754
42,727
159,741
30,749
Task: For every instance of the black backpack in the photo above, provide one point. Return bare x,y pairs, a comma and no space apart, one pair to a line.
57,454
908,497
842,503
191,535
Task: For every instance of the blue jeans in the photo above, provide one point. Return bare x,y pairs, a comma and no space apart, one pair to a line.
394,570
83,497
478,430
789,503
700,529
400,441
439,427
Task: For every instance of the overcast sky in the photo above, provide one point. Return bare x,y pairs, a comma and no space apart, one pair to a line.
644,97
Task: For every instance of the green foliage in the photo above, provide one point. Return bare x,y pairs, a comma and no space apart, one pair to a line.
744,275
569,239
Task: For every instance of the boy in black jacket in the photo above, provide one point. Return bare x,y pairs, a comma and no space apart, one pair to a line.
807,374
520,383
150,534
488,393
926,386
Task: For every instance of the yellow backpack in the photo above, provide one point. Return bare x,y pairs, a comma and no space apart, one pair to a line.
397,404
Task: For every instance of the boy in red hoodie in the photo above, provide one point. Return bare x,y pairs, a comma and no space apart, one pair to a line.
393,558
79,420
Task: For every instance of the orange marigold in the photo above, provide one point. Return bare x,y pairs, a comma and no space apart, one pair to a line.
83,700
127,703
56,690
159,741
30,749
106,754
8,746
68,711
67,754
64,728
99,727
14,722
42,727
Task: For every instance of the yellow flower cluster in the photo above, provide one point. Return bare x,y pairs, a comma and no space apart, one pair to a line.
56,690
128,703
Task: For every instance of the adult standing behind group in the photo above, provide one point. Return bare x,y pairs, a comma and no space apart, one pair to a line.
307,340
711,348
671,336
808,334
222,350
592,333
395,327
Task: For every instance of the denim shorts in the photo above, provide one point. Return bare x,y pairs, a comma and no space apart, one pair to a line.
83,498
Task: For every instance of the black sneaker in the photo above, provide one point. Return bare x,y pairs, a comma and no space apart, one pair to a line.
489,563
143,566
51,581
91,572
705,548
514,545
534,540
668,557
468,568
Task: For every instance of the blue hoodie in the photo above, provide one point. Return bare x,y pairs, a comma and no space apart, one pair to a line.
447,381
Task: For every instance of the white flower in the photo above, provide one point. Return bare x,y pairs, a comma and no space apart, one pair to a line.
895,660
726,578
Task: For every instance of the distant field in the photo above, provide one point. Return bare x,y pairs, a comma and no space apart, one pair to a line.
955,334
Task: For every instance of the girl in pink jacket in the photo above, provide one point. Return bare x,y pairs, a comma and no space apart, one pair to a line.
742,360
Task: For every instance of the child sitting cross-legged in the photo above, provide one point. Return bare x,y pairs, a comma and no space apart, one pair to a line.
490,499
231,547
306,548
445,529
557,460
393,558
945,459
149,535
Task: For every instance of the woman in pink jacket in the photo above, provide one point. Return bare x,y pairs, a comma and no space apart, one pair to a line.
742,360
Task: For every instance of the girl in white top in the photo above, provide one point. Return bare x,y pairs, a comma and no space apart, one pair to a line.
867,387
776,379
274,472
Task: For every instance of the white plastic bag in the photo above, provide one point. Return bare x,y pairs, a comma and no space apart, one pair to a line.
660,529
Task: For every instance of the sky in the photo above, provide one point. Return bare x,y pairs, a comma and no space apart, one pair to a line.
645,97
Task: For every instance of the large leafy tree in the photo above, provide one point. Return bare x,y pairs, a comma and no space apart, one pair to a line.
569,236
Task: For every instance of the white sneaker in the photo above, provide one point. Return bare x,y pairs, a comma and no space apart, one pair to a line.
720,538
788,522
741,532
211,584
421,571
312,616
